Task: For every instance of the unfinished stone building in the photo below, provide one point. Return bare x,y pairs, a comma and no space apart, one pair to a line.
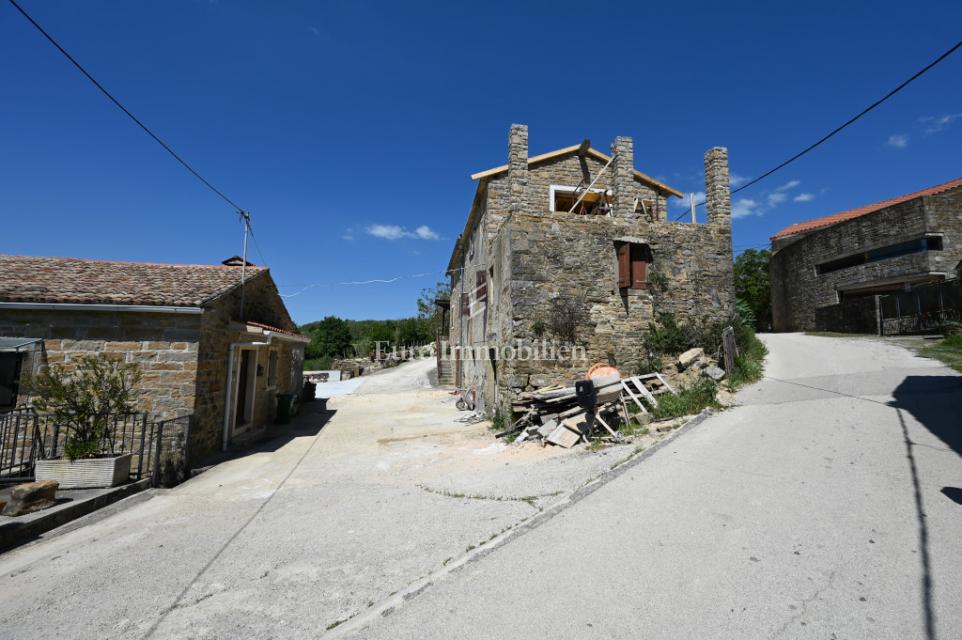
565,259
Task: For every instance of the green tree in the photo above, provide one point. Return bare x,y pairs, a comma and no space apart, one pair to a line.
329,337
85,398
753,285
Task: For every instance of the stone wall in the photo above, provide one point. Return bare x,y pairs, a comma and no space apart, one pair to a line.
797,289
164,345
261,304
566,256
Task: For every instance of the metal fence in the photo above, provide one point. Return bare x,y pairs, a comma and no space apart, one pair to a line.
157,446
926,308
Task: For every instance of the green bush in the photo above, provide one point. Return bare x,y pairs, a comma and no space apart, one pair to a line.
689,401
666,337
323,363
954,340
85,398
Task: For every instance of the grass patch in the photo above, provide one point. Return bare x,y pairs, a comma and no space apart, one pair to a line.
689,401
948,350
748,364
633,428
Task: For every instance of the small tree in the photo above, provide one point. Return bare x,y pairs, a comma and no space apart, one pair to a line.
83,399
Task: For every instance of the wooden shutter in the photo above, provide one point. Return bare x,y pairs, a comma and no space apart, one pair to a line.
640,257
465,304
481,286
624,265
639,272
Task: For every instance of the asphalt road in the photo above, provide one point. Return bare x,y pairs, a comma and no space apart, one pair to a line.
825,506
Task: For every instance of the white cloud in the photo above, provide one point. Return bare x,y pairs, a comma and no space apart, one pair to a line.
735,179
791,184
898,140
348,234
776,198
425,233
744,207
804,197
935,124
396,232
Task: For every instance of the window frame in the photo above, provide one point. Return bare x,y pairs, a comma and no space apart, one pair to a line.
632,259
273,360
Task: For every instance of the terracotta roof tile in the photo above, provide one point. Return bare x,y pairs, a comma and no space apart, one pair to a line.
268,327
80,281
835,218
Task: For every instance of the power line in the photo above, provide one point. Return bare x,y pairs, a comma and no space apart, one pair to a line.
838,129
124,109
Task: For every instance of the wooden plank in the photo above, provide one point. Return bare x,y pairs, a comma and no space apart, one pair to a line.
667,386
643,390
627,388
564,437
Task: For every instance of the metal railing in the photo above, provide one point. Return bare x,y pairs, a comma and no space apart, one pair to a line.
27,436
925,308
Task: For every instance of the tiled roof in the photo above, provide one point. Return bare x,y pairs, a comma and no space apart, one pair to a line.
268,327
835,218
79,281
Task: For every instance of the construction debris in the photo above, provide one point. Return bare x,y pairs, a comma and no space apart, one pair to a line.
596,407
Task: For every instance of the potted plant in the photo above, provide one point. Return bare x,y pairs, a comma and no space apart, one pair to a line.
82,401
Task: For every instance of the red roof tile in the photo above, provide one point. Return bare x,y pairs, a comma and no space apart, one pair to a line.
835,218
80,281
268,327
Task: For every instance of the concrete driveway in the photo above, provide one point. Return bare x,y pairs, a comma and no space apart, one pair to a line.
826,505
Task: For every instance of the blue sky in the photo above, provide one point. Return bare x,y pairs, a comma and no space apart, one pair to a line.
349,129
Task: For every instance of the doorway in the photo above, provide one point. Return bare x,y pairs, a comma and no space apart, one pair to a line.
244,409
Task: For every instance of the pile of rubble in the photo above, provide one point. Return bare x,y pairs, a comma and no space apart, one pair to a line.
566,415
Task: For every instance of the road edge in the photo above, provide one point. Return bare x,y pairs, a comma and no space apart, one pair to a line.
390,604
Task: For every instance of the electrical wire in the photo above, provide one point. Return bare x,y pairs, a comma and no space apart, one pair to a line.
839,128
123,108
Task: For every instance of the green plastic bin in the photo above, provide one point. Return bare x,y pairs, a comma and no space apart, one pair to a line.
284,401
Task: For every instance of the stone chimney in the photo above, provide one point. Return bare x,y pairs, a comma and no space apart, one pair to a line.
619,177
718,197
518,166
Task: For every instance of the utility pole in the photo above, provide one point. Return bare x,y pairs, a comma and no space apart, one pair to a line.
246,219
691,203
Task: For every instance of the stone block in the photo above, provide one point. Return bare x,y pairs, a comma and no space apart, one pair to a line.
30,497
713,372
686,359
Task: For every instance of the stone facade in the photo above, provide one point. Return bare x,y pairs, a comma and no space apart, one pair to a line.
801,285
536,263
182,356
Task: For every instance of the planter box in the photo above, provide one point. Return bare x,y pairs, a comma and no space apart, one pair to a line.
89,473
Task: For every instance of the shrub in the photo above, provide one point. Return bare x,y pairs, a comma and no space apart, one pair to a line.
689,400
666,337
319,364
84,398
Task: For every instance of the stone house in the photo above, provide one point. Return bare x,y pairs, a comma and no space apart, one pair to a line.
853,255
206,346
565,259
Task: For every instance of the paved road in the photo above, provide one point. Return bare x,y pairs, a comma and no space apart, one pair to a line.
309,530
822,507
826,506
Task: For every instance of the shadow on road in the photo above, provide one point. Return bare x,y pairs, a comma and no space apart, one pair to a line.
934,402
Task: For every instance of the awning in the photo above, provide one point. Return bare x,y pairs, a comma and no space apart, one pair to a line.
15,344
